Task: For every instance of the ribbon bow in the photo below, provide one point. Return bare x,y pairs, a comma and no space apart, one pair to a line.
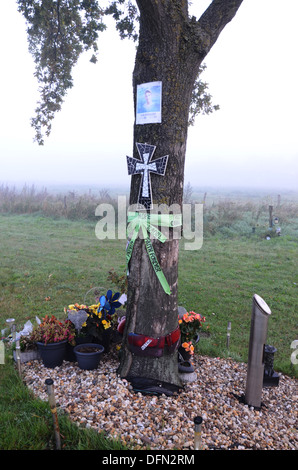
146,222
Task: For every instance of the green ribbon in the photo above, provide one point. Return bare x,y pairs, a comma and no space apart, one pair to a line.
147,222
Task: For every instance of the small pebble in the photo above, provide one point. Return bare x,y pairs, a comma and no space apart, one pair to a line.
101,400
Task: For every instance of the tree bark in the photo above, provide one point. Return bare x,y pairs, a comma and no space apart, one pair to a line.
171,49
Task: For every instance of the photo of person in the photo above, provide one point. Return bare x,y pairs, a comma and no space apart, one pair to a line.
148,103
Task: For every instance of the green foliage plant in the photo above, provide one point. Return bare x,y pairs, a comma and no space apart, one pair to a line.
59,31
52,330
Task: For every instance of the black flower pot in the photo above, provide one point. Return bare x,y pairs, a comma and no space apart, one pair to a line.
184,355
52,354
88,355
69,351
105,339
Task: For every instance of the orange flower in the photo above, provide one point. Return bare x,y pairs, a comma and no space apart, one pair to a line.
186,317
188,347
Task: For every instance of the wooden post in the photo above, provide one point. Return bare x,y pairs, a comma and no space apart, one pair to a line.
270,216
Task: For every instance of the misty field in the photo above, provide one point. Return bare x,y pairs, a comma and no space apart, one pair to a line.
51,259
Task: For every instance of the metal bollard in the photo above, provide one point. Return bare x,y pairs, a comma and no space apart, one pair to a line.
198,435
50,390
255,366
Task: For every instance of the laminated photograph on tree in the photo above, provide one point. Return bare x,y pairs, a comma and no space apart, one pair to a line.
149,103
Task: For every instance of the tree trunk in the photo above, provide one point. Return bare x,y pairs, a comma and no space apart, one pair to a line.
171,49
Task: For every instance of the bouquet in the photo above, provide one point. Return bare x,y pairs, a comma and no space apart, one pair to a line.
190,325
97,318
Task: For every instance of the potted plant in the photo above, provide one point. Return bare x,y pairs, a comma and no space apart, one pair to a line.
190,325
51,337
28,349
98,324
77,314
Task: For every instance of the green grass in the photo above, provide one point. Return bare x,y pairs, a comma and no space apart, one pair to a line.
26,423
219,281
40,259
43,258
46,264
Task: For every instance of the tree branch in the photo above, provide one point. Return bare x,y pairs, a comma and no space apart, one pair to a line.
150,9
212,22
161,7
161,14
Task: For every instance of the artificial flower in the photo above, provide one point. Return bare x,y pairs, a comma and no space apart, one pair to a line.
190,325
99,315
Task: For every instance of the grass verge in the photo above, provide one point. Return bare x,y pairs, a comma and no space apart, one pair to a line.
47,264
26,422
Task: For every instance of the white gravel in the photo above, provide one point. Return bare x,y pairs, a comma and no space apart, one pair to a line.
99,399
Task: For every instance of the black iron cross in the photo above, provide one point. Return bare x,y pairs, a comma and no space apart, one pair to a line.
145,167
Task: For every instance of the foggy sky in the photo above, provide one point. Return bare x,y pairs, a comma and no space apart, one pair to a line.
251,141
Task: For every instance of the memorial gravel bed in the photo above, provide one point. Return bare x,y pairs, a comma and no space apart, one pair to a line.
101,400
